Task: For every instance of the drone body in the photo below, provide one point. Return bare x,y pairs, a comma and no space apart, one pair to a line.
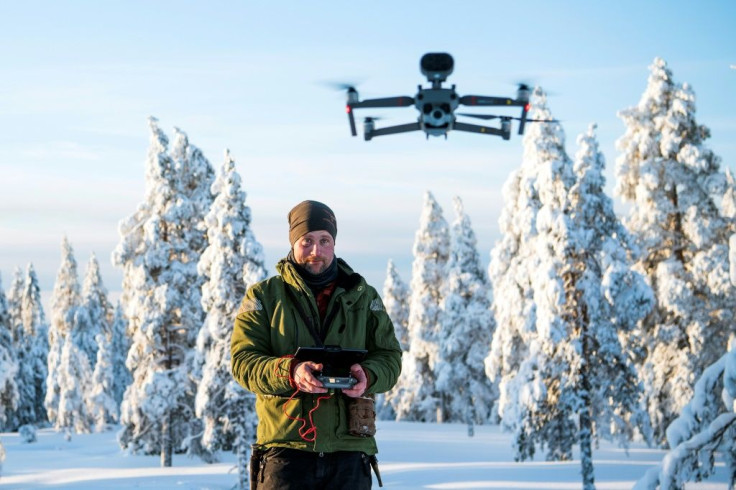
437,105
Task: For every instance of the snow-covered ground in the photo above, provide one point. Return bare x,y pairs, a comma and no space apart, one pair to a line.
412,456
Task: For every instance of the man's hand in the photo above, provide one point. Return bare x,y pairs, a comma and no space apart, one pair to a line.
304,377
359,388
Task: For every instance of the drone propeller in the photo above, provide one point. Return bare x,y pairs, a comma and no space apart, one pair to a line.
479,116
492,116
339,85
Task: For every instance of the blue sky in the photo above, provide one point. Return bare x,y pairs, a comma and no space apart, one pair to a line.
79,79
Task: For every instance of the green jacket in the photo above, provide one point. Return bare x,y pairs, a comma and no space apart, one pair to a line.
269,327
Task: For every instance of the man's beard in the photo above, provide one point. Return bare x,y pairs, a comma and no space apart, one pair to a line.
315,266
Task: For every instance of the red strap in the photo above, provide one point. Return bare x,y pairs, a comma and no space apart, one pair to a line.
304,431
290,358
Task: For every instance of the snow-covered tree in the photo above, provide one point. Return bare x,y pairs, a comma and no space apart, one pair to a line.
563,289
706,426
101,405
466,328
604,297
8,365
674,185
73,379
94,301
195,176
64,301
14,299
119,346
525,271
24,413
93,337
232,262
35,333
396,301
158,252
415,395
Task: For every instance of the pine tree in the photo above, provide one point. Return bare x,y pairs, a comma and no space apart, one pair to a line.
522,272
64,301
525,270
73,378
94,301
159,250
14,298
466,328
232,263
24,412
705,427
564,378
119,346
396,301
35,331
603,298
416,397
674,185
8,366
101,405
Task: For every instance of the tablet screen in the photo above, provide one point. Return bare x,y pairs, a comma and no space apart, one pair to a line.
335,360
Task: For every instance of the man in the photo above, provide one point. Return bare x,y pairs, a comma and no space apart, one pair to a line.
304,428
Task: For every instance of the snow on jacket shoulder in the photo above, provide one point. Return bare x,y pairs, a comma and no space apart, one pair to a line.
269,327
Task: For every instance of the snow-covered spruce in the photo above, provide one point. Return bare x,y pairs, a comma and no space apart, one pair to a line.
706,426
8,365
64,301
466,327
396,300
120,345
158,252
563,290
73,379
415,395
36,347
232,262
674,185
96,343
24,412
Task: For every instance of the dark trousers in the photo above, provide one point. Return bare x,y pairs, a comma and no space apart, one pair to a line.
292,469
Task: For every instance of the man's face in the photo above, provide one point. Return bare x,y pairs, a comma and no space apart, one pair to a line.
315,251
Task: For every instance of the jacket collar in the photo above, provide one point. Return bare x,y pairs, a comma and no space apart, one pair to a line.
346,277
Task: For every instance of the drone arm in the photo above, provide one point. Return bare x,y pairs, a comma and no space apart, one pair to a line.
401,101
351,118
523,119
483,100
474,128
401,128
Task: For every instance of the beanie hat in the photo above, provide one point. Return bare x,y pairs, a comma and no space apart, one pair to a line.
311,216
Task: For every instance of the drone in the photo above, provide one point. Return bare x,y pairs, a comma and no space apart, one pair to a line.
437,105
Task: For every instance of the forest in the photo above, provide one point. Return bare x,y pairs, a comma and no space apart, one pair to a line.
586,326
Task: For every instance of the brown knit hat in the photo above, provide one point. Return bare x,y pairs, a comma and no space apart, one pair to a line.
311,216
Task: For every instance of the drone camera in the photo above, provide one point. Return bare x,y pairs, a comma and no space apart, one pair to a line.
436,66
